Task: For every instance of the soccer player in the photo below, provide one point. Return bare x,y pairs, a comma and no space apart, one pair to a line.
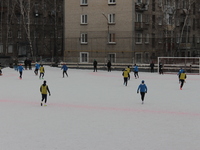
44,89
143,89
64,68
41,72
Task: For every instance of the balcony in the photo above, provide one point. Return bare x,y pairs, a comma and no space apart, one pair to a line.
141,26
140,7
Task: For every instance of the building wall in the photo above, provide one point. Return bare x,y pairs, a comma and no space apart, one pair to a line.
97,29
131,32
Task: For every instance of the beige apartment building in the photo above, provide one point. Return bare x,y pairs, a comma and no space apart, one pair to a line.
130,31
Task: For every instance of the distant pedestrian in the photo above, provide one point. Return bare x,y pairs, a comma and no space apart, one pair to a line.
182,78
135,70
25,63
160,68
143,89
95,65
37,67
190,69
44,89
20,69
0,70
42,71
109,66
126,75
152,67
30,64
64,68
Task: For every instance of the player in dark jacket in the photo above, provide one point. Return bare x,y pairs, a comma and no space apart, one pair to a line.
95,65
109,66
0,69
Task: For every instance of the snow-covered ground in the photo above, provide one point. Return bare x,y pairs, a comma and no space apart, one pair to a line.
95,111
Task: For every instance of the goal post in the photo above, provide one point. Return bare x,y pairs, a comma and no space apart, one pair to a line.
172,65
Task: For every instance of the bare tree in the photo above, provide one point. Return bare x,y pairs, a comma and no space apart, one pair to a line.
186,12
26,21
168,17
25,8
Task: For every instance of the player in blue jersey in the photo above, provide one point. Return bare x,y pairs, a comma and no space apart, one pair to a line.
143,89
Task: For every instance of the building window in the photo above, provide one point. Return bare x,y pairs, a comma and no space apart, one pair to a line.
138,38
159,3
111,38
160,38
19,34
153,5
170,20
111,18
194,23
153,40
84,2
112,57
138,17
84,57
138,58
9,33
83,19
10,48
111,1
153,21
147,38
146,19
139,1
146,57
178,4
84,38
159,20
1,48
19,19
193,40
184,4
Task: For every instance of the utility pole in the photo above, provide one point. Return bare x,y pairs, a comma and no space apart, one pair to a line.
108,31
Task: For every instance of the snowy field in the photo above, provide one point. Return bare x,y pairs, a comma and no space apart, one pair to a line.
95,111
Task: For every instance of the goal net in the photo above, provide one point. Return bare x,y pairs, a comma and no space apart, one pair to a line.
173,64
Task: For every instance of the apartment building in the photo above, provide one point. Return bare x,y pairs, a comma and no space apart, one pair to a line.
99,30
130,31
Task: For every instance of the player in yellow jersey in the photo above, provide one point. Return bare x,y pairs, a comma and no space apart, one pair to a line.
41,72
126,75
182,78
44,89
